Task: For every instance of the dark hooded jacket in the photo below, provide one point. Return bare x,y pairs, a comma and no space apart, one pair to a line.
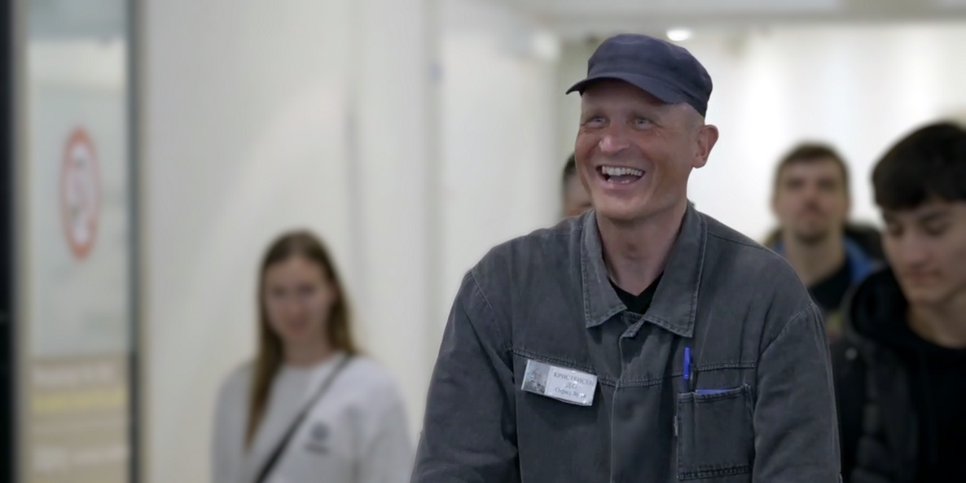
901,399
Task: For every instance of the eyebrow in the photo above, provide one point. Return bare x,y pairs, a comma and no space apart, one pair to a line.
929,216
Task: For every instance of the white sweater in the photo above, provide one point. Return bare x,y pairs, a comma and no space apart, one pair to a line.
356,432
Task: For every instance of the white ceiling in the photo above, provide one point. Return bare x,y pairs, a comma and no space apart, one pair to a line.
582,18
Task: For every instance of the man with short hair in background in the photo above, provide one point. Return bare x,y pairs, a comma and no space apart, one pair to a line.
575,198
811,201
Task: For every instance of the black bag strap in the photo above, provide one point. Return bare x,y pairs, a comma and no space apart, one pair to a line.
283,443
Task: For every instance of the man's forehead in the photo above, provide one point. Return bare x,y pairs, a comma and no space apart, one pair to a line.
820,166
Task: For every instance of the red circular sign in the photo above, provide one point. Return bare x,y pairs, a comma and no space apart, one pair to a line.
80,193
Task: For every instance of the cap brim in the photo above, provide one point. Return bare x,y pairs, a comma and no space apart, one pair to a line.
651,85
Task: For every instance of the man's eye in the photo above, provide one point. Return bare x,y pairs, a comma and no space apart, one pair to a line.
935,229
827,186
642,122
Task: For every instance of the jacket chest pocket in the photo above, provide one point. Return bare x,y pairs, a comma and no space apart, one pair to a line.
715,438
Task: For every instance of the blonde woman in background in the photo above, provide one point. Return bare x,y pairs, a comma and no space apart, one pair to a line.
309,407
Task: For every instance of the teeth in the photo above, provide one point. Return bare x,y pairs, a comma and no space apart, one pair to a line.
616,171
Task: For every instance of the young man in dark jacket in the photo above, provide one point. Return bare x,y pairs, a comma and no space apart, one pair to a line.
901,369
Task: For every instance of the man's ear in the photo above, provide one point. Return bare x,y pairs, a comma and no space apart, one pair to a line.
707,137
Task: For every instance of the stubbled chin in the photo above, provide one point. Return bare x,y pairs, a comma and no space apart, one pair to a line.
618,212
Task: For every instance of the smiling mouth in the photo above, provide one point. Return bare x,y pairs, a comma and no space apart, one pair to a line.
619,174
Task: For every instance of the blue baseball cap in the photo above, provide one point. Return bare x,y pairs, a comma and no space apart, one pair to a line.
664,70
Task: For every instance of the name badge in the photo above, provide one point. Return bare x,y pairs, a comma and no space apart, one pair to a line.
567,385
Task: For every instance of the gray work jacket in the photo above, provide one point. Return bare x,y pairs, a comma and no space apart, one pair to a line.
758,404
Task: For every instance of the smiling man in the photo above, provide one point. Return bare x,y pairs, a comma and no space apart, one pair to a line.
901,369
643,340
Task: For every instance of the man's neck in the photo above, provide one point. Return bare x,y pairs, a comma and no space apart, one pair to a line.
636,253
814,262
943,324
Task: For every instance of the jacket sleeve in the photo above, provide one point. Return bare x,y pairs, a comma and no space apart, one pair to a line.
796,435
469,430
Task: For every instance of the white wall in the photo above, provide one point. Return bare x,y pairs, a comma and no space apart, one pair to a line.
244,132
411,134
858,87
393,205
500,172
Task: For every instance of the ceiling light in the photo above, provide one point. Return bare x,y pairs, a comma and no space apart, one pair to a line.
679,34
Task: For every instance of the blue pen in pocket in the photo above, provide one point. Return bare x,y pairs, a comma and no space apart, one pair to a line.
686,379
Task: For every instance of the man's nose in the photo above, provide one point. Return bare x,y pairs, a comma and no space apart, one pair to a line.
911,251
613,141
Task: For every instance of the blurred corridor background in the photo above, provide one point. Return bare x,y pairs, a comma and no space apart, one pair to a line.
153,148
